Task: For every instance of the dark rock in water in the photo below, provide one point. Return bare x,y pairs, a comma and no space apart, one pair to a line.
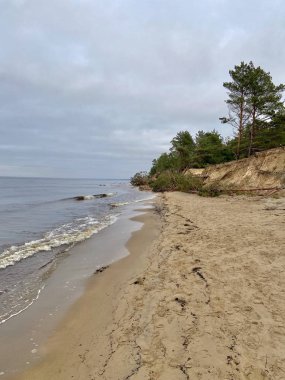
80,198
88,197
100,270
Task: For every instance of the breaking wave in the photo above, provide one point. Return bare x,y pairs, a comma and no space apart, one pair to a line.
67,234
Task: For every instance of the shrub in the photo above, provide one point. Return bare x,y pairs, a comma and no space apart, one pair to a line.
170,181
210,191
188,182
140,179
162,183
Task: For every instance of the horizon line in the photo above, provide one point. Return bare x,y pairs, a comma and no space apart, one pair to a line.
39,177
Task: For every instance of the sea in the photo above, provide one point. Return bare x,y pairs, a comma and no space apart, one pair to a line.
41,219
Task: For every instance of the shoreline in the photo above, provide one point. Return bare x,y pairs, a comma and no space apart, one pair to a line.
200,297
23,336
101,289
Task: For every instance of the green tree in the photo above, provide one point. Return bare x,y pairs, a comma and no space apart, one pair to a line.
182,148
210,149
264,101
166,161
237,102
253,101
272,133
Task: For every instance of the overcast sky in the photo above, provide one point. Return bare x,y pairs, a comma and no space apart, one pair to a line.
97,88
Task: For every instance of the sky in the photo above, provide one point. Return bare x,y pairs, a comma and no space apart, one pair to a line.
97,89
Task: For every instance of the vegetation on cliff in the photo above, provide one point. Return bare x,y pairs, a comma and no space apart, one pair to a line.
256,109
256,112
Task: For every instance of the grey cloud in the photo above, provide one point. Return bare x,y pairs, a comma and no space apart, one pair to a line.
92,88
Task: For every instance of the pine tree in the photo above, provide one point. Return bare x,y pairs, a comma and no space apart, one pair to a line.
253,101
183,147
238,91
264,101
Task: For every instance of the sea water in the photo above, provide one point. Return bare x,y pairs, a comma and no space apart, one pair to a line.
41,219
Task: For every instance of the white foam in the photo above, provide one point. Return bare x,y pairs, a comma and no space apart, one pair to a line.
87,197
21,311
118,204
67,234
146,199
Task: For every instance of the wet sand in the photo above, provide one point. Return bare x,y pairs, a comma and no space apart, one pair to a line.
200,297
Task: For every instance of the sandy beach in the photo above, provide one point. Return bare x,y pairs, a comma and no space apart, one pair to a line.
201,296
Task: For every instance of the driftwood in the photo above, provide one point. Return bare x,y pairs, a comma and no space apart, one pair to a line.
272,192
273,189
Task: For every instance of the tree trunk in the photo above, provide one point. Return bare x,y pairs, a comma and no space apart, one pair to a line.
252,131
240,129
